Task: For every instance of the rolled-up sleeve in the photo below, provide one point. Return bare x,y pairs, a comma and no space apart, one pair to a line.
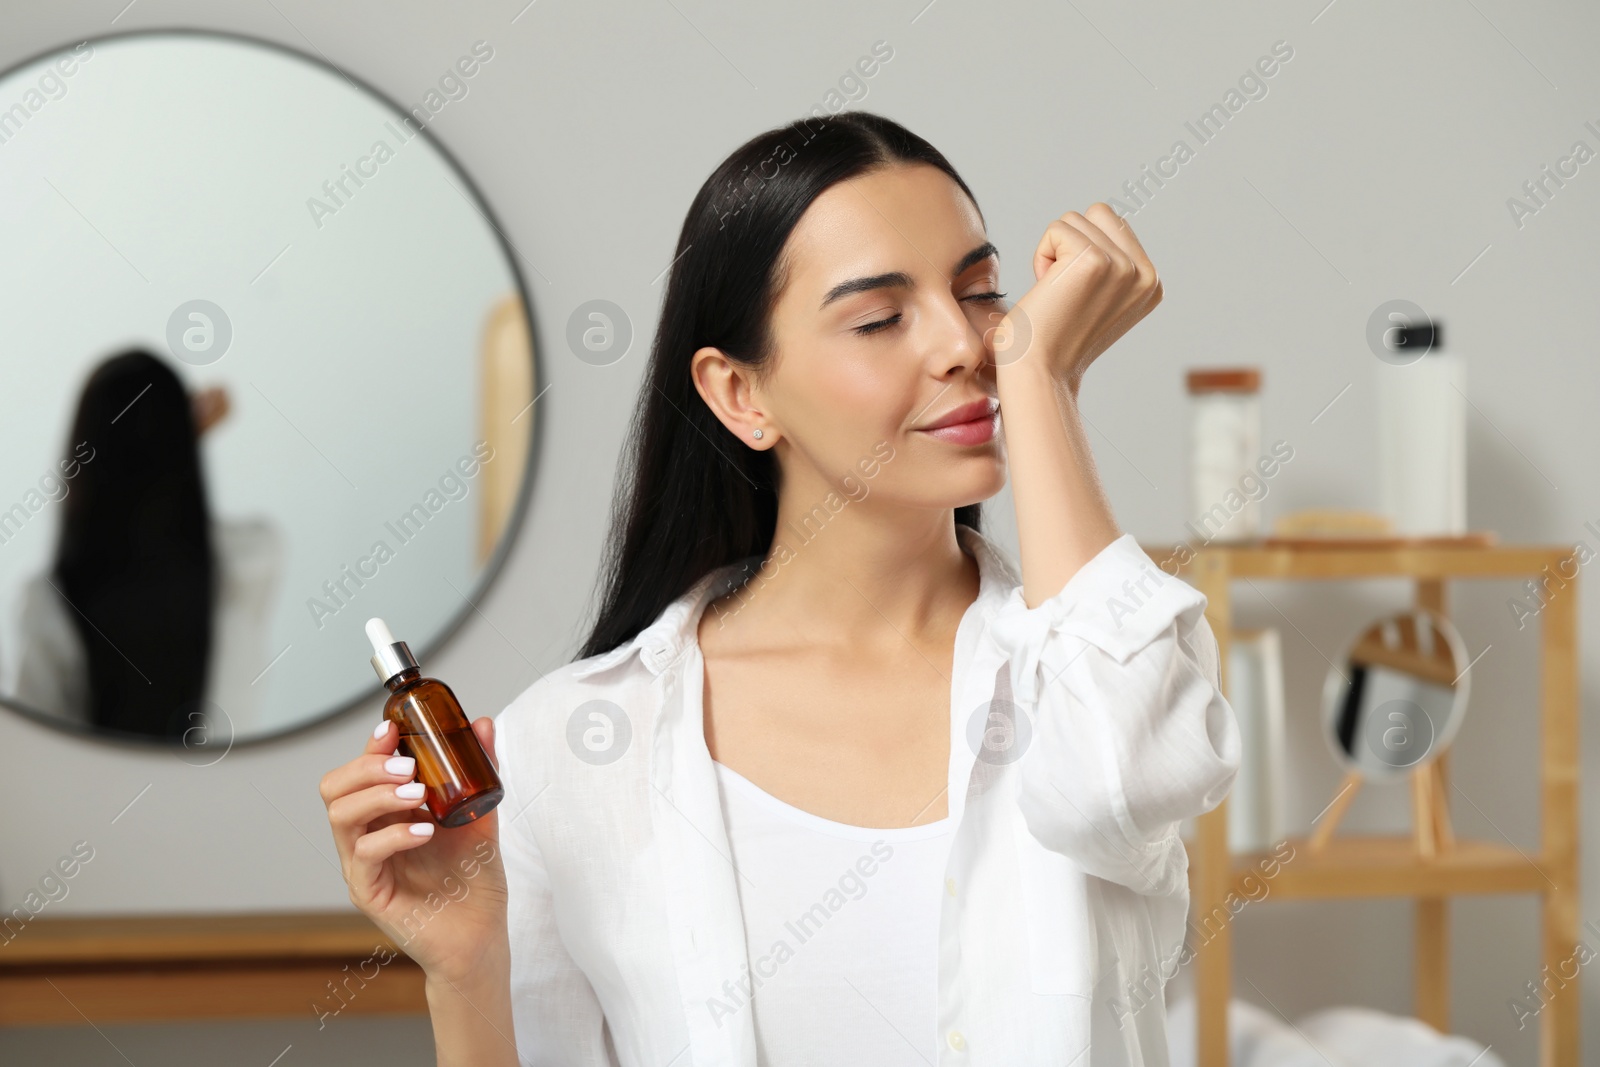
1118,678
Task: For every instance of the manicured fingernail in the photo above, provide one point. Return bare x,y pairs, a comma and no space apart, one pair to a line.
422,829
400,765
383,728
410,791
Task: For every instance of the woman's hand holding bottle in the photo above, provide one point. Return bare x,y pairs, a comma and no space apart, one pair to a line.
439,893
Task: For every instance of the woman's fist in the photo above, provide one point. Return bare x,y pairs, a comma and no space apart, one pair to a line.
1094,281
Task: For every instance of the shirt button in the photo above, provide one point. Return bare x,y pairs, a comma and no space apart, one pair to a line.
950,886
955,1040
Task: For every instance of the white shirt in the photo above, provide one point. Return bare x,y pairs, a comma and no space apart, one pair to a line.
1066,880
842,928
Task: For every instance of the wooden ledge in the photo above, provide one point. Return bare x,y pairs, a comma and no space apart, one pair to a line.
111,969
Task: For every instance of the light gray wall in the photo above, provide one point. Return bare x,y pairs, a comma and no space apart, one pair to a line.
1378,166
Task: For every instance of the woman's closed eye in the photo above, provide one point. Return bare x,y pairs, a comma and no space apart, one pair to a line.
884,324
881,324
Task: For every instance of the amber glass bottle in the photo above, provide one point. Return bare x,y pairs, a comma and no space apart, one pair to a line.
460,782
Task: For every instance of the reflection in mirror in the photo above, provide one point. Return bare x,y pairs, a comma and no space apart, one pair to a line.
1397,698
270,375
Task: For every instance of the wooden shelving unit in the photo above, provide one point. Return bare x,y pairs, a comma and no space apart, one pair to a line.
1353,866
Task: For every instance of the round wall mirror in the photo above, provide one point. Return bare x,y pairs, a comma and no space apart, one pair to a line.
270,374
1396,698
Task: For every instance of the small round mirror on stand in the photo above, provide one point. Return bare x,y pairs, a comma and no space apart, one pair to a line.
1390,706
1397,696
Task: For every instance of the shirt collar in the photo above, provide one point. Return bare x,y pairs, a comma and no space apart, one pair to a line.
664,641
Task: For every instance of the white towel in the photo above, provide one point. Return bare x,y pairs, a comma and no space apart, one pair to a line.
1340,1037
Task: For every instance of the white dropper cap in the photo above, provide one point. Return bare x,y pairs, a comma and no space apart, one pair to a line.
378,633
389,657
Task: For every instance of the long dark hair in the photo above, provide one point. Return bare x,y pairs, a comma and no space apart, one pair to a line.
690,496
134,559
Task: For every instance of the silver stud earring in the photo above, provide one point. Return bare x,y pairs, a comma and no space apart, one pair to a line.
756,433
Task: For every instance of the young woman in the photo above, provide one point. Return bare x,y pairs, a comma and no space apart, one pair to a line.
829,782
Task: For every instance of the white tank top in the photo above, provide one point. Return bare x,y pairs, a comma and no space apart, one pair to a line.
842,927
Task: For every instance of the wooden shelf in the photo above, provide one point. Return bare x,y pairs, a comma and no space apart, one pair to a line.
1260,559
171,938
62,971
1387,866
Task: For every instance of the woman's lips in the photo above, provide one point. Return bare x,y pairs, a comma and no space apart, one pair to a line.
973,432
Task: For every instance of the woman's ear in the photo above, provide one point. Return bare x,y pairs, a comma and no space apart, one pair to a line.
730,391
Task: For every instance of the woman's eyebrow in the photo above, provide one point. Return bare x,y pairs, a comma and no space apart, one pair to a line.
900,279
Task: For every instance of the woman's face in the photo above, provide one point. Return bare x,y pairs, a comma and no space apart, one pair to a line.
880,332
